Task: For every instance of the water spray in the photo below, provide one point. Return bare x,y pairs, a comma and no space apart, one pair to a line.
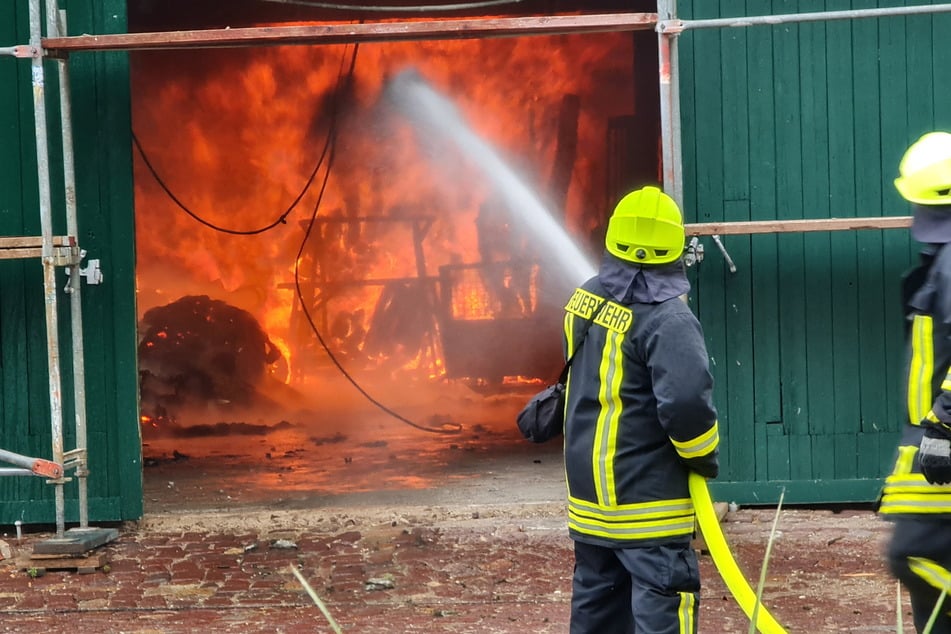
430,111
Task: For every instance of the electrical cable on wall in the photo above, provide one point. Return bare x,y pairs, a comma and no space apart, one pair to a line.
396,8
328,153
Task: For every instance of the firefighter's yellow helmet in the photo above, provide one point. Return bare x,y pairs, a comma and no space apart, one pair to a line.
925,170
646,227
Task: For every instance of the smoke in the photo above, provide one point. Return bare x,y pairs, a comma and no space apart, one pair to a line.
430,112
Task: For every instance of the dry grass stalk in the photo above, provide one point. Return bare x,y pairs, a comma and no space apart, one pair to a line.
762,574
316,600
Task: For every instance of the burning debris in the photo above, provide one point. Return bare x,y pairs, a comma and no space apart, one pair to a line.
199,352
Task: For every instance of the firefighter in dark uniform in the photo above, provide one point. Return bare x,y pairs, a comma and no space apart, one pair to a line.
917,495
638,418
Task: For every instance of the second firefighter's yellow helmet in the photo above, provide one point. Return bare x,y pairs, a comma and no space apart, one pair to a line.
925,170
646,227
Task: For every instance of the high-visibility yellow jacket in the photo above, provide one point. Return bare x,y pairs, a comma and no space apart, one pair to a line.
639,414
928,393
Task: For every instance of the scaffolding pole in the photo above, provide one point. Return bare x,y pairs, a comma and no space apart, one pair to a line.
55,26
790,18
669,78
47,259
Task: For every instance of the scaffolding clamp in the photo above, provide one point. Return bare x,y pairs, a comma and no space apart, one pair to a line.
66,255
670,27
92,273
76,459
693,254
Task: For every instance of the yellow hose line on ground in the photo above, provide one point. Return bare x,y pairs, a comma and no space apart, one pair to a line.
723,558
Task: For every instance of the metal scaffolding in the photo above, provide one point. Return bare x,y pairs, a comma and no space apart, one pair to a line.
63,251
56,251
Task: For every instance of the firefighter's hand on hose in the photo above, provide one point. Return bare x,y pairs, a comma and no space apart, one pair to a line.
934,456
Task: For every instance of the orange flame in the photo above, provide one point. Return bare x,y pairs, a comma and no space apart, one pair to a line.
235,134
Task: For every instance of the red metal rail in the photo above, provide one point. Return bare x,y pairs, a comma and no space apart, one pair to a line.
353,33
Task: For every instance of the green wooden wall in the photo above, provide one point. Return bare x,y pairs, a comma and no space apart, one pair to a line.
100,89
806,121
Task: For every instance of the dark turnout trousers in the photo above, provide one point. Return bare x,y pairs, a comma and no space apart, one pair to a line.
647,590
929,539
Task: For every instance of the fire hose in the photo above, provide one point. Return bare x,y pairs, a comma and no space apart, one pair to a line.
723,559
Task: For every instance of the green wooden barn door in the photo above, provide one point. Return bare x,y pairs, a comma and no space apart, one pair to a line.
805,121
100,90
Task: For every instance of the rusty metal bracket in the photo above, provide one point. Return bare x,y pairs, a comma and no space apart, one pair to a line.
726,256
22,50
47,468
36,466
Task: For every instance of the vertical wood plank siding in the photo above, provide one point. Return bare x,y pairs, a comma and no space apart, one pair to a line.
100,91
806,121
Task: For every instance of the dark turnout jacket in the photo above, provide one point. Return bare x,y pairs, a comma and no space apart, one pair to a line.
639,416
928,389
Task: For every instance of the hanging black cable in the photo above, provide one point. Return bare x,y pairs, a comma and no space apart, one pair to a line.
328,152
280,220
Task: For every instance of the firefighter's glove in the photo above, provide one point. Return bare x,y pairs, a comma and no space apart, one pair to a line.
934,456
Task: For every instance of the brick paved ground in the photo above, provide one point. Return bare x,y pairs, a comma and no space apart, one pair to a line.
479,576
474,555
433,570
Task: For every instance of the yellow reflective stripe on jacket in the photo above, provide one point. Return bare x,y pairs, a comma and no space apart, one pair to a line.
920,369
646,520
570,332
699,446
911,493
654,529
604,447
905,461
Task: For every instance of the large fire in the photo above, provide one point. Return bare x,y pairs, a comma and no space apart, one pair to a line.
402,264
